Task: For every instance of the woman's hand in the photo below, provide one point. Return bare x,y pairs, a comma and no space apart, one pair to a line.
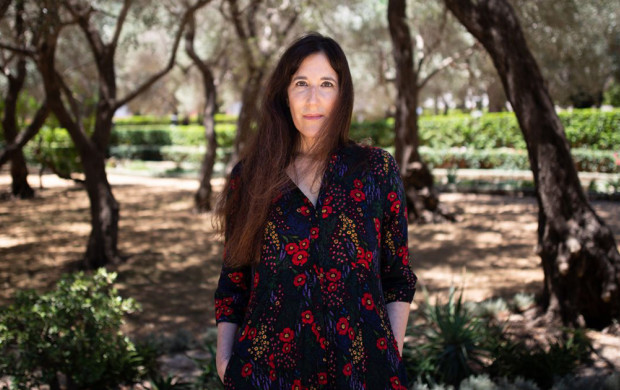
226,333
221,363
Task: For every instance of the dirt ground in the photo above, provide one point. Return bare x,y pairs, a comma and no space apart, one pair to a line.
173,255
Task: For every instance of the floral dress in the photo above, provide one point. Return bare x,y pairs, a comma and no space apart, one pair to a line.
312,313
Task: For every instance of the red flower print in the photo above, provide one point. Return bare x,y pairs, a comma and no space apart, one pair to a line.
291,248
358,195
304,244
322,378
228,301
236,277
307,317
244,333
218,313
287,335
367,301
271,363
286,348
299,280
358,183
348,369
333,275
218,302
314,233
396,383
332,287
377,225
277,198
296,385
272,375
328,200
322,343
325,211
256,277
342,326
360,252
304,210
315,331
246,370
395,207
251,333
351,334
392,196
363,262
300,258
226,311
382,343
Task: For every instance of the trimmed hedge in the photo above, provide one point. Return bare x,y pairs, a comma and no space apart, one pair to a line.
586,160
456,141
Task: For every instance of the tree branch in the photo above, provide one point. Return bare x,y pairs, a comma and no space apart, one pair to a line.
149,82
17,49
72,102
26,135
448,62
120,22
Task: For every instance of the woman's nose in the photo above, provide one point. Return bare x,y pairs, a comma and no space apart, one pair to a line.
313,94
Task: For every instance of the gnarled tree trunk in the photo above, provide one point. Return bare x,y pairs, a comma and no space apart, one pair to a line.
422,197
202,198
579,256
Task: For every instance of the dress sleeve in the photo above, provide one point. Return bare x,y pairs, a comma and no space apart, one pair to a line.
397,278
234,286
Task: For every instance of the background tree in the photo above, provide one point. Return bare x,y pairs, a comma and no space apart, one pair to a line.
202,198
422,198
573,43
262,27
92,143
13,67
580,259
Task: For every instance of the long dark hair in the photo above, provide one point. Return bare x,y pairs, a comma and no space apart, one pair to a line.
244,204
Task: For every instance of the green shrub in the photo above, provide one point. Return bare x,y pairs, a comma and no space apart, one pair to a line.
513,359
52,147
451,347
72,330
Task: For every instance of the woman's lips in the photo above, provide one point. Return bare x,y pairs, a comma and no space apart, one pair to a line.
313,116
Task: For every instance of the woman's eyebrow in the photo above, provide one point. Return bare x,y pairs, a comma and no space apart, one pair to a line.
301,77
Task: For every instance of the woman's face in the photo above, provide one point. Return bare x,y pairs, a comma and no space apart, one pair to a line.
312,94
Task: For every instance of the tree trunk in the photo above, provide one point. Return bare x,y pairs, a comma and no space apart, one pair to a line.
422,197
104,212
202,198
102,243
579,256
19,171
248,115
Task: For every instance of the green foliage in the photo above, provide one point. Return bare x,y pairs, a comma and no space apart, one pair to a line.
453,344
52,147
169,383
208,379
72,330
516,359
612,95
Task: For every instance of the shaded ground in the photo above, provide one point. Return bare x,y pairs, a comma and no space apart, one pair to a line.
173,255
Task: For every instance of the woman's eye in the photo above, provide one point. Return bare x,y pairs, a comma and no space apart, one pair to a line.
327,84
301,84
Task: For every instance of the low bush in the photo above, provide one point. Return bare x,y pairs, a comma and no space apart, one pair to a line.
73,332
544,366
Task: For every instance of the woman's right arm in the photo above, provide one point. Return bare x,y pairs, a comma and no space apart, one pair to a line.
226,332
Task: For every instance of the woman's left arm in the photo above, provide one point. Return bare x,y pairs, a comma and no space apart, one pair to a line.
398,312
397,278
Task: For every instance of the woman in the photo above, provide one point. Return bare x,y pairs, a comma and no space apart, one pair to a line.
315,287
